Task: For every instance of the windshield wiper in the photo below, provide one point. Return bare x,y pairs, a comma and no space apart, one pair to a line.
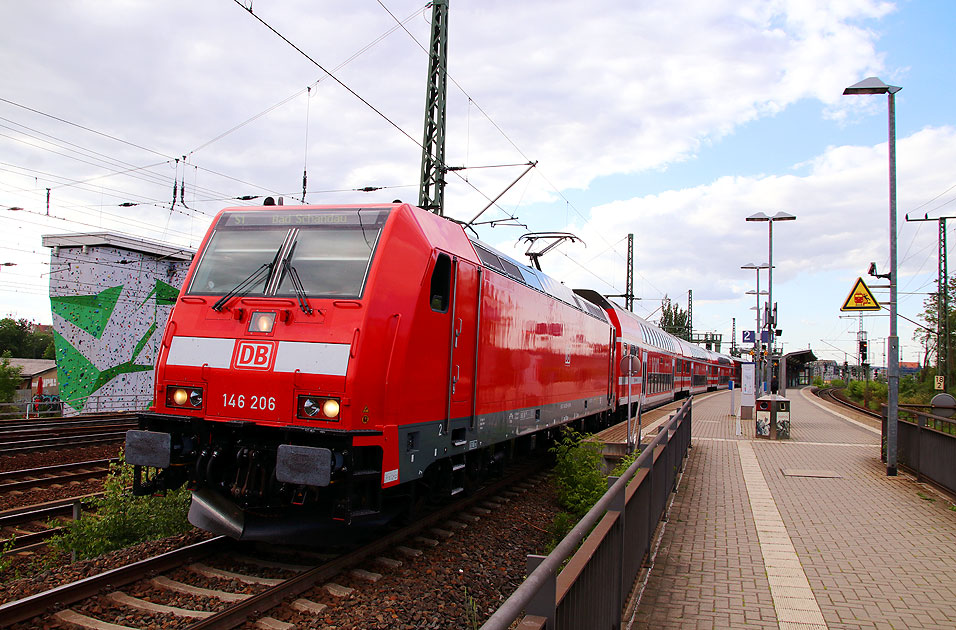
245,286
297,286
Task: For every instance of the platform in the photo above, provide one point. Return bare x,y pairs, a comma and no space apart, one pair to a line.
800,534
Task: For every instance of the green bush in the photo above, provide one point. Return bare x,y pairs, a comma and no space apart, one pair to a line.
817,381
578,475
874,393
121,519
837,382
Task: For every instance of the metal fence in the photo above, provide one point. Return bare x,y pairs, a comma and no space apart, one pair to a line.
592,589
89,404
926,444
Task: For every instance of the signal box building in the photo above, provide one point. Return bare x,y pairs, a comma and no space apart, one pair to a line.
110,295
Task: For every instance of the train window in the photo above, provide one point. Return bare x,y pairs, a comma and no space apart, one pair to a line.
441,284
489,259
331,251
511,269
232,256
332,261
530,279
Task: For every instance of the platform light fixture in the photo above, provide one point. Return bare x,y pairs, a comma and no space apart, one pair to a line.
771,325
873,85
758,292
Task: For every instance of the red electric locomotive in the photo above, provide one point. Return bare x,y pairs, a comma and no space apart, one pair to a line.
331,364
321,361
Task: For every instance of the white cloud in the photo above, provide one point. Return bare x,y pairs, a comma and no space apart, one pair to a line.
591,93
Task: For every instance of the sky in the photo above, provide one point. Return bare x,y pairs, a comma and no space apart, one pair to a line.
673,120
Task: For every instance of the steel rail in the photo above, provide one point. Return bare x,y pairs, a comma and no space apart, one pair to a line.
12,423
257,605
25,434
63,473
39,511
40,444
828,394
40,603
41,470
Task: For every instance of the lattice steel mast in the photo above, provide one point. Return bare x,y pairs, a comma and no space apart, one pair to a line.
431,194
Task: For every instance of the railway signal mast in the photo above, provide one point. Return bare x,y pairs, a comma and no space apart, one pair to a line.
431,194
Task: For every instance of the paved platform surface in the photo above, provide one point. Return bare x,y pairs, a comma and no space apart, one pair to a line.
803,534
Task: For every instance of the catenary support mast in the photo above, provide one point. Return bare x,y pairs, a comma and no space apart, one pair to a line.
431,194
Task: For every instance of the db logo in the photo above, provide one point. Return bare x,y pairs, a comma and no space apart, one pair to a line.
254,355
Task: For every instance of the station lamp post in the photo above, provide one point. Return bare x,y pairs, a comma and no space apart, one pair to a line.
771,314
758,293
873,85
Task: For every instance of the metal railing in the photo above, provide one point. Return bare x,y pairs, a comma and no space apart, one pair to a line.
592,589
90,404
926,444
108,404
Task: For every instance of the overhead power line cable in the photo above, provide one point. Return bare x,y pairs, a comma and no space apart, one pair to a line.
329,73
78,126
471,101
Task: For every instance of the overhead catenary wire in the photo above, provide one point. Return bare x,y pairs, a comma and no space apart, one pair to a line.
329,73
169,158
497,127
298,93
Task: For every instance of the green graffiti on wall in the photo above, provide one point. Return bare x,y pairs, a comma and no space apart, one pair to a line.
165,294
89,312
79,377
142,342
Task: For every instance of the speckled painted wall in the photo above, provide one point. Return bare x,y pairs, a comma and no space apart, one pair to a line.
110,307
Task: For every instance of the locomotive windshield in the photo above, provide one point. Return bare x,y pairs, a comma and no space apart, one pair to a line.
331,251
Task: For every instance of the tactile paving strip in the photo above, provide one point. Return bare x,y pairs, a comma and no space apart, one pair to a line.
793,600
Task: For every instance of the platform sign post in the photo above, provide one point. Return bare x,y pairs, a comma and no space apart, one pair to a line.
748,397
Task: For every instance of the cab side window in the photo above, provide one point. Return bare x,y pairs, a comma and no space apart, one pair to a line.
440,292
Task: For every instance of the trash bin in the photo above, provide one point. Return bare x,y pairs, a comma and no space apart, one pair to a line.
773,417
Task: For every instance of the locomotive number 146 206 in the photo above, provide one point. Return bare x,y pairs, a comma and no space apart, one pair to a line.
252,401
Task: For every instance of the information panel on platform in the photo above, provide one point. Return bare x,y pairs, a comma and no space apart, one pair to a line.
748,373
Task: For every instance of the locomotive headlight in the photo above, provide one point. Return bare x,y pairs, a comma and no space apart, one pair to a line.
188,397
262,322
318,408
180,397
310,407
331,408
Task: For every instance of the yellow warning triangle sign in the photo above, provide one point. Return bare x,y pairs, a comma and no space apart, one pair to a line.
860,298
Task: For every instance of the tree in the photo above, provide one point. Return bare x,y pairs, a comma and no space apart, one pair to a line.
17,336
674,320
9,378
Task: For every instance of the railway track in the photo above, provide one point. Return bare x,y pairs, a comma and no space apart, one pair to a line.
45,476
222,584
26,527
831,396
20,436
17,424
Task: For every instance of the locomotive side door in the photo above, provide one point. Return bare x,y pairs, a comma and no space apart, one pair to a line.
462,353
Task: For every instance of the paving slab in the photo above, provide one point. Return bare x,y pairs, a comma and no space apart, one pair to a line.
751,544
